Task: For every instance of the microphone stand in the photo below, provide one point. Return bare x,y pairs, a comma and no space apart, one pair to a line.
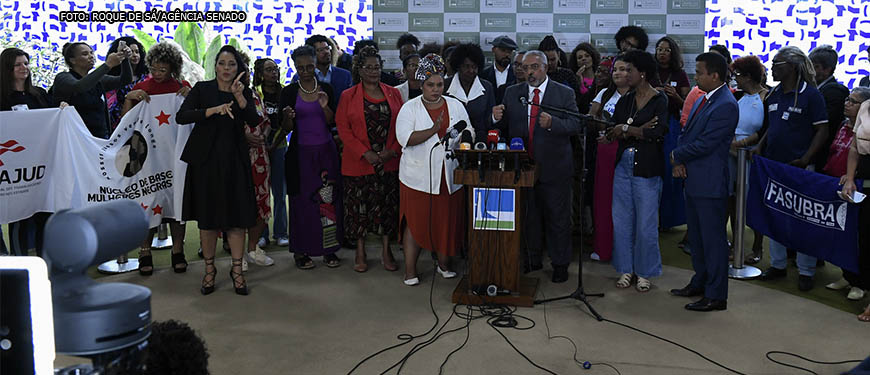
579,294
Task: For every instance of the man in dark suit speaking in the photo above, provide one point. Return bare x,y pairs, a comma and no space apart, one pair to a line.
701,157
547,136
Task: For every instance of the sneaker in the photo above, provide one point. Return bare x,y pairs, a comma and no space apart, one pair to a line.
855,294
838,285
412,281
446,274
262,242
282,241
594,256
259,257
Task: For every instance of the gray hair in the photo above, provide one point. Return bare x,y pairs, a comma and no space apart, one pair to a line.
824,55
863,92
518,52
539,54
802,64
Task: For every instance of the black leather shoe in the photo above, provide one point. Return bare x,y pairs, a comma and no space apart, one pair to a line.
531,267
773,273
560,274
805,283
688,291
707,304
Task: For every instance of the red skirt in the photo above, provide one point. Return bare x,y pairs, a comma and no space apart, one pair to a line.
446,234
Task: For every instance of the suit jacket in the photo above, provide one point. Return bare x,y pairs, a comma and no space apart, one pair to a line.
552,149
703,146
203,95
350,119
488,74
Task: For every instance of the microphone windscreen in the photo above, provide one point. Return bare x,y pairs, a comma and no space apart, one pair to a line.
460,126
492,136
466,137
480,146
517,144
465,145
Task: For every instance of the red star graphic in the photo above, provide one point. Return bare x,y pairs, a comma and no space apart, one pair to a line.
163,118
157,210
144,207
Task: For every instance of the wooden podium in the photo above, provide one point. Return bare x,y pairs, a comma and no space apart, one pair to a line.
495,180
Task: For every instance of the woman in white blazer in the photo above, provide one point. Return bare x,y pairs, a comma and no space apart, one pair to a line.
431,206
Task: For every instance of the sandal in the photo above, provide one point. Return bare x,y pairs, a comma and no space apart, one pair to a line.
177,260
238,278
146,261
624,281
303,262
360,266
865,316
331,260
753,258
643,285
208,285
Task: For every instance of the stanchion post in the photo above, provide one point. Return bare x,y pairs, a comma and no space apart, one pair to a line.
738,270
163,240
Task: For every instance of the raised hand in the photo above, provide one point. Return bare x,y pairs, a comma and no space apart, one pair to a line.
237,86
114,59
322,99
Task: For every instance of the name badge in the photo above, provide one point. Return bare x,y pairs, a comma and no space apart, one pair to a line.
772,107
785,116
20,107
795,110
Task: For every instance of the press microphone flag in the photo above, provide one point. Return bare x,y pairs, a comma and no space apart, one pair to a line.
465,140
492,138
517,144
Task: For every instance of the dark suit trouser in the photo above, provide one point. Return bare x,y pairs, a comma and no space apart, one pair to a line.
548,213
862,279
708,241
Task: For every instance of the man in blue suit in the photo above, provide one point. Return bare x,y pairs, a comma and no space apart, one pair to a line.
701,157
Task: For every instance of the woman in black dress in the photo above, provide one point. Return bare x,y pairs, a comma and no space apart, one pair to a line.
218,188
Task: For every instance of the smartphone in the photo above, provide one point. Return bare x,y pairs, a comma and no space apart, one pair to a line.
857,197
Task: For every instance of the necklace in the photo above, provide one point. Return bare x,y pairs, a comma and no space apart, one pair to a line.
440,98
306,91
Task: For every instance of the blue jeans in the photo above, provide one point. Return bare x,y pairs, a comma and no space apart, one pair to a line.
279,195
779,259
635,220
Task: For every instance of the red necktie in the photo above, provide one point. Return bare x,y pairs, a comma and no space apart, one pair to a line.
533,118
703,101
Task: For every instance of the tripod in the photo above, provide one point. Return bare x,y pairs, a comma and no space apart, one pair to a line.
579,293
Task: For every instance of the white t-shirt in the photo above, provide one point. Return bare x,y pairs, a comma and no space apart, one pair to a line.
610,106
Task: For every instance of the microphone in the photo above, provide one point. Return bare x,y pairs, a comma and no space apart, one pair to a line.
517,144
453,132
524,100
480,146
501,146
492,138
465,140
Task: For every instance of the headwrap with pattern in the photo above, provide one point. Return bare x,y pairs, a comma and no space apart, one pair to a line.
430,65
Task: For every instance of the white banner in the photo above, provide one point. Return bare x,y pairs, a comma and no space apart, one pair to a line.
49,161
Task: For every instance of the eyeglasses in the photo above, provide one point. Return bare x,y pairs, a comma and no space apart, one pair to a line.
534,66
371,68
665,50
272,69
853,101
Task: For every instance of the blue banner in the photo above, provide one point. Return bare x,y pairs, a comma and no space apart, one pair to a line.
801,210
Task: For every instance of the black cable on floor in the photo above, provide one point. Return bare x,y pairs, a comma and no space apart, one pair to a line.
805,359
581,364
675,343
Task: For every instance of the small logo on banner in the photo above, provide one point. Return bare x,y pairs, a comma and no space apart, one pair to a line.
10,146
826,214
494,209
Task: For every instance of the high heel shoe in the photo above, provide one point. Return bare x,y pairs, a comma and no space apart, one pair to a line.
146,263
208,285
236,276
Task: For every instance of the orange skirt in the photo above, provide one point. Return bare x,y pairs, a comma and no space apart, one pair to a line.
446,234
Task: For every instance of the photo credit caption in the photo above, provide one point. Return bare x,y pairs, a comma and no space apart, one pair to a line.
154,15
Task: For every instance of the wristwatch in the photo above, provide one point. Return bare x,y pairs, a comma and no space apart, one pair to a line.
625,128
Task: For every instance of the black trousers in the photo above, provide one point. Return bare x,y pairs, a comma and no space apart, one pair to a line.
862,280
548,218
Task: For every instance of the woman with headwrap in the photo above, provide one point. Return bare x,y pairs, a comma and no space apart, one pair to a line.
432,207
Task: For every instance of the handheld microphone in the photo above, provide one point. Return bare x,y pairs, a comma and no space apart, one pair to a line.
480,146
465,140
517,144
492,138
454,131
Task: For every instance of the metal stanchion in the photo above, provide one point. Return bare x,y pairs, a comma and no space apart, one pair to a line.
120,265
163,239
737,270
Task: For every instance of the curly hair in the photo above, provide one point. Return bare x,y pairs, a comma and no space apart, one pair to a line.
751,66
676,60
363,43
168,54
635,32
588,48
175,348
428,48
548,44
359,61
407,38
464,51
641,60
316,38
141,68
722,50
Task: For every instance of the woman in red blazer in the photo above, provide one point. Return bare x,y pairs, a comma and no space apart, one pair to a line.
366,121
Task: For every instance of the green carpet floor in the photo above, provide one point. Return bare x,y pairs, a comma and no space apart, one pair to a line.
671,255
